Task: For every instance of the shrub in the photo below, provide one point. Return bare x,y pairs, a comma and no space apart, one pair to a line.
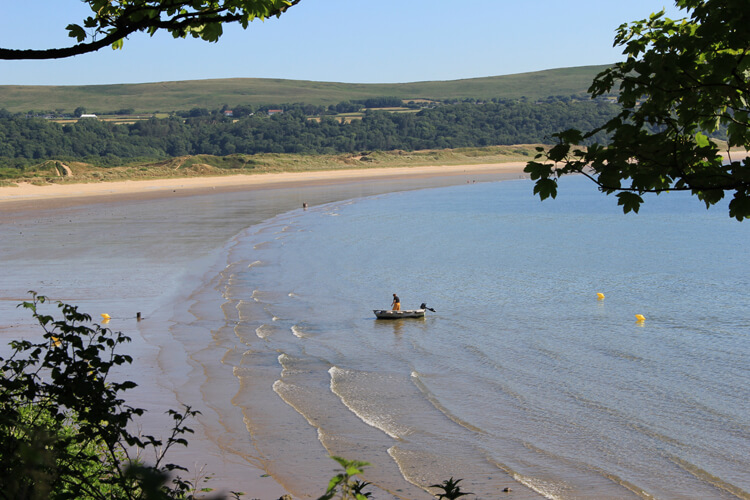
64,426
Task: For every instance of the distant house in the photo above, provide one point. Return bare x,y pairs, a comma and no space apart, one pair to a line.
88,116
275,112
228,112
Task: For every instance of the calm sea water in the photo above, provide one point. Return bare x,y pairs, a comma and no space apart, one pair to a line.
522,378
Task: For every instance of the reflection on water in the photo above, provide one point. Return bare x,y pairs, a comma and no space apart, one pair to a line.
396,326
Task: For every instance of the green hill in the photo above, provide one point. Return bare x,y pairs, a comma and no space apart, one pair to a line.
213,94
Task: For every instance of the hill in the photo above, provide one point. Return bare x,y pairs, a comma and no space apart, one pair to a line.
213,94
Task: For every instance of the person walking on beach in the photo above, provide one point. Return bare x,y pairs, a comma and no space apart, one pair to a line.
396,305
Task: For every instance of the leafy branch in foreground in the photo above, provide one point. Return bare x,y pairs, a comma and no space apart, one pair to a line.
451,489
683,80
347,488
114,20
64,426
344,483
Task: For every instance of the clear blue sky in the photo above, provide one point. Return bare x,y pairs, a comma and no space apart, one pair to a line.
361,41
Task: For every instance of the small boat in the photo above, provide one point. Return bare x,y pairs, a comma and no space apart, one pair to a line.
408,313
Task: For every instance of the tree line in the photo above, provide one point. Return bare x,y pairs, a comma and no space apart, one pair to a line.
461,124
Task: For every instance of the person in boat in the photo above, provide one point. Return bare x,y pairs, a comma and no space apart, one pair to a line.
396,305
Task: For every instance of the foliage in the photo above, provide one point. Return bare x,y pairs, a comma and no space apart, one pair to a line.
451,489
64,426
344,483
381,102
683,81
114,20
210,132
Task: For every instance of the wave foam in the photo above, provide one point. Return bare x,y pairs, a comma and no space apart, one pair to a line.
349,386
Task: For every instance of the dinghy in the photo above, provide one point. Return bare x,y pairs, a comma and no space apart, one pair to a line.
408,313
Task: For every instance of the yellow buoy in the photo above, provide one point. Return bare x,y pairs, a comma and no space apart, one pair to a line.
599,296
105,316
640,317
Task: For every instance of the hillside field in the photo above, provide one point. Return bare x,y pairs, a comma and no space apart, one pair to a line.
213,94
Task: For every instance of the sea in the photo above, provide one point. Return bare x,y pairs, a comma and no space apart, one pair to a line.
574,353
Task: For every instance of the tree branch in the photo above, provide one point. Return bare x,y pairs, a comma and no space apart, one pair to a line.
124,26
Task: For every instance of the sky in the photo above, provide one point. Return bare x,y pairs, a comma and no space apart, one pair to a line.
353,41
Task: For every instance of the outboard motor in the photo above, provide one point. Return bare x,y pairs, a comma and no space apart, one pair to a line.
424,306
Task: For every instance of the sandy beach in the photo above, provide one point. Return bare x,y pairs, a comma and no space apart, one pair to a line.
26,195
140,246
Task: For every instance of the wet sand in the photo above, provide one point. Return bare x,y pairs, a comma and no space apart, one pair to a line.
30,196
144,246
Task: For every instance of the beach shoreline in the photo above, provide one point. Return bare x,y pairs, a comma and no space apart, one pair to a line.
27,196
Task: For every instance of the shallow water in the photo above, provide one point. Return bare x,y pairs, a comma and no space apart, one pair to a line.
149,256
522,378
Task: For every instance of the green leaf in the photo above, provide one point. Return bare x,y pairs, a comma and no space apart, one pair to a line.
630,202
538,170
75,31
353,471
701,140
570,136
335,480
546,188
739,207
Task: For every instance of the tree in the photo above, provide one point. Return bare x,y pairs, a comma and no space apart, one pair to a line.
113,20
683,81
64,427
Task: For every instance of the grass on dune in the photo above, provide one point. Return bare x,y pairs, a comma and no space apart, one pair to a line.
207,165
